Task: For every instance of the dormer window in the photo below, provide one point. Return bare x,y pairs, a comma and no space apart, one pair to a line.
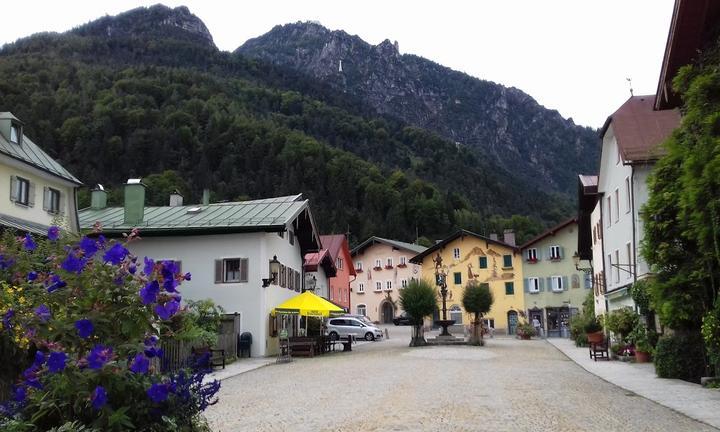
14,134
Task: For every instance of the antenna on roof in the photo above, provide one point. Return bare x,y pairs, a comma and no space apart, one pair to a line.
629,80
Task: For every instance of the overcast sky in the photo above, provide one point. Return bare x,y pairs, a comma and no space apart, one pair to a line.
570,55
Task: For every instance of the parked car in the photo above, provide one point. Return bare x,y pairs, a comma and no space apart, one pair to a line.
342,327
402,319
362,318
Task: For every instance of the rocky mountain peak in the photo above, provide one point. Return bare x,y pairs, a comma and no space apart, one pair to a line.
153,21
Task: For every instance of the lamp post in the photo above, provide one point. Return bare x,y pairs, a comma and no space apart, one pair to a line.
274,270
441,282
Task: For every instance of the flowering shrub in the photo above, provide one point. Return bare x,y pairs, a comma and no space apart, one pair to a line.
83,322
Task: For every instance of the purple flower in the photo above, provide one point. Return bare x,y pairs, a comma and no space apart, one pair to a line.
168,309
6,262
132,268
84,328
53,233
169,285
73,264
151,340
32,276
39,358
29,243
43,312
98,397
88,246
158,392
7,316
30,375
140,364
19,394
169,269
149,266
116,254
55,283
149,292
153,352
99,356
187,276
56,362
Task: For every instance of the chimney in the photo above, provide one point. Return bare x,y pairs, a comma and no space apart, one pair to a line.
493,236
98,197
134,202
509,237
206,197
176,199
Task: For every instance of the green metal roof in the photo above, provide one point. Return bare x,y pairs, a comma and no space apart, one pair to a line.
30,153
394,243
254,215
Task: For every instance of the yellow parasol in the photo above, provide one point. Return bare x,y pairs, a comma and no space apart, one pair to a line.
307,304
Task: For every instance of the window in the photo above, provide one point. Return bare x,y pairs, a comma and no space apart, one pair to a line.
457,277
388,285
51,200
358,266
557,283
627,195
509,288
339,263
389,263
608,217
533,285
610,266
617,205
378,264
507,261
456,314
628,251
483,262
14,134
361,288
403,263
378,286
403,283
362,310
532,255
456,253
555,253
231,270
20,191
617,266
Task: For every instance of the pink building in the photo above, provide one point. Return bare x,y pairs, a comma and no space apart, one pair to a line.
339,250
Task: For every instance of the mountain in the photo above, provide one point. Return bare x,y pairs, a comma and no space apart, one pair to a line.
521,137
147,94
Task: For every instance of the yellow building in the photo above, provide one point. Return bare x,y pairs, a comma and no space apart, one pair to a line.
468,256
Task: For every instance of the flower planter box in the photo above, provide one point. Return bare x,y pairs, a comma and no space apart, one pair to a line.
596,337
388,267
377,268
402,265
642,357
532,261
358,271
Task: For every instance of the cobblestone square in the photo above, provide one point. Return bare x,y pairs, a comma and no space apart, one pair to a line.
508,385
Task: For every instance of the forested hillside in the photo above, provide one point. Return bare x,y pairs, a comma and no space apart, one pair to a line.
112,101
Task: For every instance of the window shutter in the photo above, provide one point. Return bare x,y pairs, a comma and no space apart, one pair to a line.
13,189
588,281
562,252
541,282
565,283
218,271
243,270
46,198
61,203
31,194
526,285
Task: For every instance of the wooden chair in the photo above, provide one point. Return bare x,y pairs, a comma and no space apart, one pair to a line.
600,350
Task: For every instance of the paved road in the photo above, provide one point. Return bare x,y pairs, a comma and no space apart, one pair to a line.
508,385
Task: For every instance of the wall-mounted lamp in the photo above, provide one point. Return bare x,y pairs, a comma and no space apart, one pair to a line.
576,260
274,270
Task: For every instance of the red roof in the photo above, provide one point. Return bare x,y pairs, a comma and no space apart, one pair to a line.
639,129
334,244
313,260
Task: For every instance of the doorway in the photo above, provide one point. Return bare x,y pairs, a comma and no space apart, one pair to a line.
512,318
388,313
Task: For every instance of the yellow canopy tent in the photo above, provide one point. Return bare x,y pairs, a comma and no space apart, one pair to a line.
308,304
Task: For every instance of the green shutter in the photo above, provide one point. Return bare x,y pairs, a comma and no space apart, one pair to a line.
509,288
458,278
526,285
483,262
507,261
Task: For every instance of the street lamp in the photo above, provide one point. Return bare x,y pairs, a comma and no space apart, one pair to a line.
274,270
576,260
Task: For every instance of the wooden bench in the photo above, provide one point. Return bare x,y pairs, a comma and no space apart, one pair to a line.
216,357
599,350
303,347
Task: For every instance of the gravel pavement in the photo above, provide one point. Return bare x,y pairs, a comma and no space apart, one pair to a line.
508,385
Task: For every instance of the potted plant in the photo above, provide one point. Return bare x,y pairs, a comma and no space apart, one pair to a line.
643,347
593,330
525,330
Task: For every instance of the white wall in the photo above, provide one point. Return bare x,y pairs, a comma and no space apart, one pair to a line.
598,262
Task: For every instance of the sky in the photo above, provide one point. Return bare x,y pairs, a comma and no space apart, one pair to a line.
573,56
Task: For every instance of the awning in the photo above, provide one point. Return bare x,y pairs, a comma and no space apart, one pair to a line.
307,304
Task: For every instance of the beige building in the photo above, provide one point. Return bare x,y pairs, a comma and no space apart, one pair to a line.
37,191
383,268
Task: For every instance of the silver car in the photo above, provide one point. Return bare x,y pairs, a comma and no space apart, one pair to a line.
342,327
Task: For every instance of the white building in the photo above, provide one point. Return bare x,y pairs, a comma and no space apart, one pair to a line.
630,146
37,191
227,247
319,268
